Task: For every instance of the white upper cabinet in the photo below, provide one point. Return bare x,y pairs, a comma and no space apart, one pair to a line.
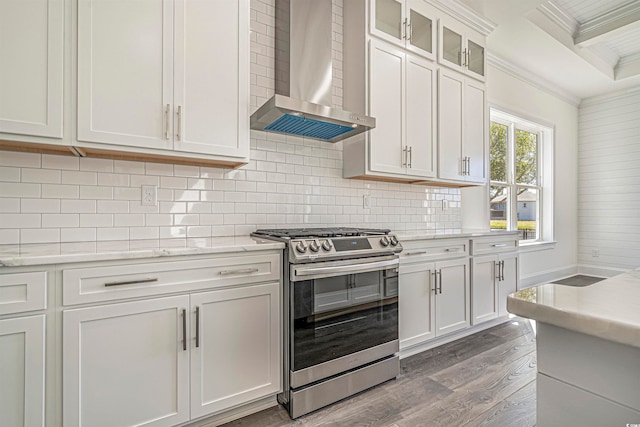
125,72
461,49
462,126
31,67
169,75
210,77
407,23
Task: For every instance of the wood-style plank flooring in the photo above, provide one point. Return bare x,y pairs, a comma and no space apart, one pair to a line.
486,379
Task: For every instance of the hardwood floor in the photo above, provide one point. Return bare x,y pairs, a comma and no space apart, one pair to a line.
487,379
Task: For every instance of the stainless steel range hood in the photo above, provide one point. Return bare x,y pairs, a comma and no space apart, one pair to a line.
303,77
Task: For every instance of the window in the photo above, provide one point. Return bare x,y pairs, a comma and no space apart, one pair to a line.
520,163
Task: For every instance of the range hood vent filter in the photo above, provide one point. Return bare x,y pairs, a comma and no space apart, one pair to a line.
306,127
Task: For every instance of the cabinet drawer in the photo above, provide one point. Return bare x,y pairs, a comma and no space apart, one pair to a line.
493,245
114,282
434,250
23,292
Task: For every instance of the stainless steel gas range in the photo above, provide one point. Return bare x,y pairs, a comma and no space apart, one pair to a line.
341,316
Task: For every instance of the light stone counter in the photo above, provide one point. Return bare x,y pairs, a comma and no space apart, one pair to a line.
609,309
407,236
30,255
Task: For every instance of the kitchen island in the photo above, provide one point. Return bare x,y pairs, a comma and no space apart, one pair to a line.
588,347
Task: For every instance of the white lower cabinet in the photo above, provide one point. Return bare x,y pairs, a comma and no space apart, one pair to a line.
433,299
22,371
165,361
493,278
126,364
235,358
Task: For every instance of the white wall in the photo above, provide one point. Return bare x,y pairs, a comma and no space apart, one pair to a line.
85,204
609,183
519,97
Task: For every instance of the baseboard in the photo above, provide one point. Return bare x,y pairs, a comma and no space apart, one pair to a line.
235,413
600,271
428,345
547,276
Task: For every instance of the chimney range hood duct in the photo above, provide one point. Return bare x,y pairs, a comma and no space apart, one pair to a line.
303,77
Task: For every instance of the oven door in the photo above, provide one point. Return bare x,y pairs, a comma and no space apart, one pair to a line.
344,315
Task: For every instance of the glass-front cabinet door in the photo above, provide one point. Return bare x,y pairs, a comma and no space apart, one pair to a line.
407,23
460,50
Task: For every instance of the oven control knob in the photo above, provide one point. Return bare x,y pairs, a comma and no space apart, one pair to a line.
301,247
314,246
394,241
326,245
384,241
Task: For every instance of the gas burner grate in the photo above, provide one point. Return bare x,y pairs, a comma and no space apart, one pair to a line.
296,233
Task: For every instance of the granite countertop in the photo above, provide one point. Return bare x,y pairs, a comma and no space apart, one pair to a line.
407,236
609,309
29,255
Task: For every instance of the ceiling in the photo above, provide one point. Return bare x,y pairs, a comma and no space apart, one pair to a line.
582,48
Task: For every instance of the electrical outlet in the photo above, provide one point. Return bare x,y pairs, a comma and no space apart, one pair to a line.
366,201
149,195
595,253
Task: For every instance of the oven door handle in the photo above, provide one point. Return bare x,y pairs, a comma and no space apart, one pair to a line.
353,268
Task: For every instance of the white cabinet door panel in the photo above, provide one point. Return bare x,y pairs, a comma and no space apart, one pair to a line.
386,95
31,67
416,304
125,72
474,145
420,114
452,305
210,96
484,289
124,364
236,359
450,93
510,283
22,351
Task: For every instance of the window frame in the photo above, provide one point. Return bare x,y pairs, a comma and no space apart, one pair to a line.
544,173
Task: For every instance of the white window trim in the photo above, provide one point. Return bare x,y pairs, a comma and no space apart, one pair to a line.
546,166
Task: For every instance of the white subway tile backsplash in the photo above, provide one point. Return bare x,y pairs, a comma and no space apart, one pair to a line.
11,189
19,221
96,220
77,235
162,169
39,235
9,174
96,165
185,170
123,193
9,205
9,237
78,206
153,220
79,178
60,162
113,180
173,182
60,191
96,193
128,167
46,176
113,233
60,220
112,206
128,220
144,233
20,160
39,206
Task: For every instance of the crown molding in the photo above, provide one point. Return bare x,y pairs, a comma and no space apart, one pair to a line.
554,13
466,15
532,79
634,91
591,31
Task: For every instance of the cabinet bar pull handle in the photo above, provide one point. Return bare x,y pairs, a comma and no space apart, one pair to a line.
468,57
131,282
502,271
166,121
416,253
435,282
184,329
440,280
405,157
497,264
409,31
410,156
197,326
499,245
239,271
404,27
468,165
464,58
452,250
179,122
